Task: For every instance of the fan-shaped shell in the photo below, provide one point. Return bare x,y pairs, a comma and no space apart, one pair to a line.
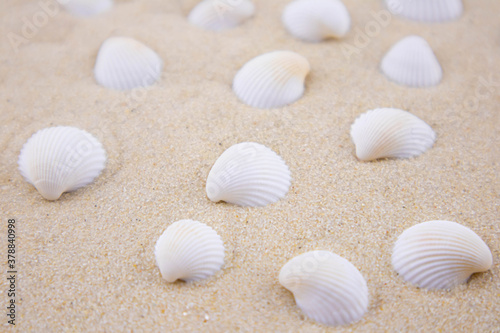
426,10
440,254
326,287
411,62
272,80
389,132
248,174
124,63
189,250
87,7
219,15
316,20
61,159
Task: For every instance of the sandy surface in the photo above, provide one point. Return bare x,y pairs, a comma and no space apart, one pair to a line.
85,262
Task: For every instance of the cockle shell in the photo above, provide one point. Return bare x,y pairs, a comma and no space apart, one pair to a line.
389,132
248,174
440,254
189,250
219,15
124,64
272,80
316,20
86,7
61,159
426,10
411,62
326,287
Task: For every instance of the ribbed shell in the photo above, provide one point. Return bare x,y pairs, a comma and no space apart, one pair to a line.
124,64
272,80
432,11
61,159
389,132
440,254
326,287
189,250
316,20
411,62
248,174
219,15
87,8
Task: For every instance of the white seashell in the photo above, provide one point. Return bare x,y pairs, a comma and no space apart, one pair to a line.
86,7
316,20
390,132
248,174
61,159
411,62
426,10
221,14
326,287
440,254
124,63
272,80
189,250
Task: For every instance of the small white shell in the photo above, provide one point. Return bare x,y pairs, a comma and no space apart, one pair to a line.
316,20
326,287
440,254
219,15
248,174
389,132
272,80
61,159
189,250
426,10
124,64
86,7
411,62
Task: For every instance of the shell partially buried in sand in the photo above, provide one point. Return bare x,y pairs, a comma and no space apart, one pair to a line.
189,250
326,287
219,15
61,159
432,11
440,254
86,8
272,80
248,174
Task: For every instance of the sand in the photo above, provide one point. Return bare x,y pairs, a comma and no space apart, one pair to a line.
85,262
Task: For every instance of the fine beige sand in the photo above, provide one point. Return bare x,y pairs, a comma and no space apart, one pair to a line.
85,262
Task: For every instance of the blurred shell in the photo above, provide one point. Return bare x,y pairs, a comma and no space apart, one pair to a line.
426,10
411,62
440,254
221,14
248,174
61,159
326,287
189,250
316,20
86,7
124,64
390,132
272,80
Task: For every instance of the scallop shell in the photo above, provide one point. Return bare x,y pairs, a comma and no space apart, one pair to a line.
219,15
440,254
86,7
189,250
124,64
411,62
390,132
426,10
61,159
316,20
248,174
326,287
272,80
